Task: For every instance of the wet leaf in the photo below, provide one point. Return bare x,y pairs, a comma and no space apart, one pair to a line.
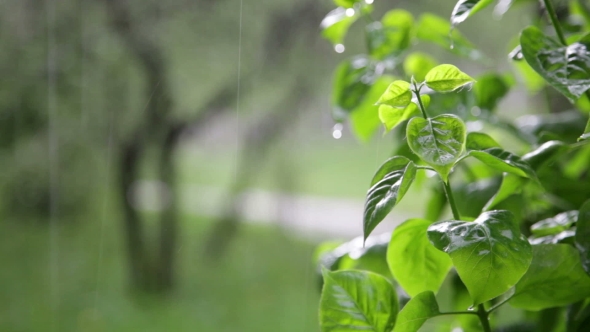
437,30
388,187
419,309
504,161
554,278
397,94
489,90
556,224
415,264
480,141
418,65
336,23
511,185
352,80
346,3
583,235
547,152
391,117
566,68
390,36
357,301
439,141
447,78
465,8
489,254
364,118
586,134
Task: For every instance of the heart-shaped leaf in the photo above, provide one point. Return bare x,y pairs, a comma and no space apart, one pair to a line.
391,117
397,94
357,300
489,254
336,23
390,36
447,78
388,187
418,64
583,235
465,8
480,141
566,68
504,161
414,262
556,224
413,315
438,141
554,278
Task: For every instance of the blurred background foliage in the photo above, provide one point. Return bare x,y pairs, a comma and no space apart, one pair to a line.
134,134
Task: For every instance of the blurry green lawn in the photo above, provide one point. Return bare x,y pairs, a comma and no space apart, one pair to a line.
266,282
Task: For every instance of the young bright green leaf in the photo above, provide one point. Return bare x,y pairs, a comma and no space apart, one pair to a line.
583,235
556,224
489,90
335,25
511,185
480,141
392,35
418,65
437,30
447,78
554,278
391,117
397,94
566,68
586,134
346,3
419,309
388,187
465,8
489,254
439,141
364,118
357,301
415,264
504,161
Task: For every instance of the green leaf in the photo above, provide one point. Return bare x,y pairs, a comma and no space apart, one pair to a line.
555,278
437,30
566,68
447,78
480,141
391,117
504,161
566,236
465,8
489,90
418,65
556,224
388,187
357,300
346,3
511,185
439,141
545,153
586,134
415,264
583,235
364,117
419,309
335,25
352,80
397,94
489,254
390,36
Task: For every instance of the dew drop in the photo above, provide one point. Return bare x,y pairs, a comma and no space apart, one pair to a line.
339,48
350,12
337,131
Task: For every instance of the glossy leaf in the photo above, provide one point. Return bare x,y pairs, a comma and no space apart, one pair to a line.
480,141
566,236
358,254
415,264
352,80
447,78
489,90
390,36
397,94
566,68
511,185
335,25
555,278
437,30
389,185
364,117
465,8
391,117
418,65
556,224
545,153
489,254
357,301
504,161
586,134
415,313
439,141
583,235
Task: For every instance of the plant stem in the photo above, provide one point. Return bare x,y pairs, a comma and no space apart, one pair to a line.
451,200
555,21
417,92
483,317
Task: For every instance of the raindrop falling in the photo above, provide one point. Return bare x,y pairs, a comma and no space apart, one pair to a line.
451,40
337,131
339,48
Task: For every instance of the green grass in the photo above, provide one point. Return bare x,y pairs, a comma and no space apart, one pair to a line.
266,282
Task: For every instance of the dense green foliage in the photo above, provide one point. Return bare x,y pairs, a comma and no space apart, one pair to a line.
519,224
